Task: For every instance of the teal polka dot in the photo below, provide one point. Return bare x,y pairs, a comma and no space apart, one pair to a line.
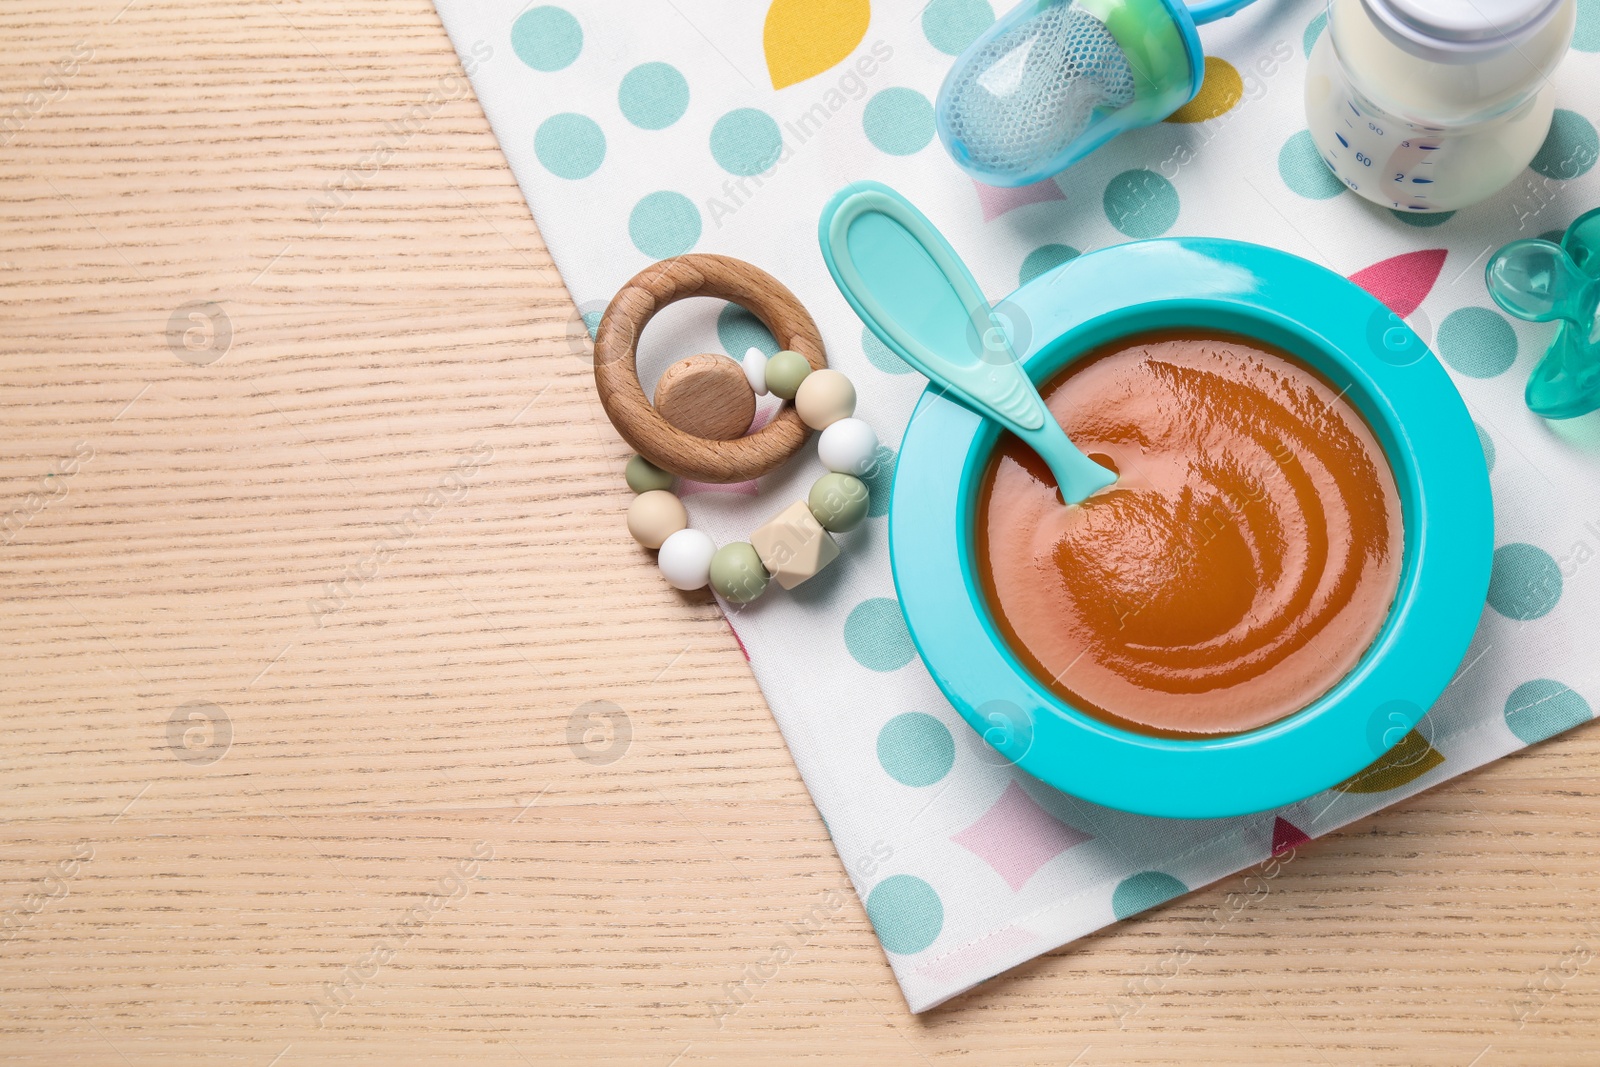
664,224
906,913
880,481
653,96
1043,259
1143,891
1486,443
546,38
1570,148
1524,582
1314,30
1586,35
916,749
591,321
1301,167
746,142
1141,203
1477,342
951,25
881,355
1543,708
570,146
875,633
898,121
1423,220
740,331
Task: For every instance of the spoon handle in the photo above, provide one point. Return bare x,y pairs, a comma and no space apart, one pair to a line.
908,285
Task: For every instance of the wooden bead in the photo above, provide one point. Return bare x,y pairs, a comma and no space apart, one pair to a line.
793,546
825,397
655,516
707,396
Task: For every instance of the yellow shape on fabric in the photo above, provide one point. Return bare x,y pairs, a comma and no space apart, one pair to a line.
1221,89
1410,759
803,38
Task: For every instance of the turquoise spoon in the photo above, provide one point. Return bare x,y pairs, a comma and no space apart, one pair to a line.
907,284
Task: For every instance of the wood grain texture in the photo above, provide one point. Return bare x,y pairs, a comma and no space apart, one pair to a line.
616,372
706,395
343,721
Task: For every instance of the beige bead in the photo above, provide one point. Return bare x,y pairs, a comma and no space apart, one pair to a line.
825,397
655,516
793,546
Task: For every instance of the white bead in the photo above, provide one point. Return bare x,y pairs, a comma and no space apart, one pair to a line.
755,370
848,446
824,397
685,559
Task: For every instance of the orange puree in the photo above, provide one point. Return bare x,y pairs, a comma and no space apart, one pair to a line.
1243,562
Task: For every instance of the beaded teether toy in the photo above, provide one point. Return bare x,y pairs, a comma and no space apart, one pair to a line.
695,429
1543,282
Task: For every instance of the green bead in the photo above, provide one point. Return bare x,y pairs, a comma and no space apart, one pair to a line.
785,371
737,574
839,502
643,476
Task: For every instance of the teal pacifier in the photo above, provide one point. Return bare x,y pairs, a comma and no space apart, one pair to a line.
1055,79
1543,282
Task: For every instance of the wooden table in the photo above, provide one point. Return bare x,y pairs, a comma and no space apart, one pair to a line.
314,567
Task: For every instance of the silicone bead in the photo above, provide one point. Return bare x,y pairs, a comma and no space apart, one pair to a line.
825,397
755,370
839,502
685,559
643,476
785,372
737,575
654,516
793,545
849,446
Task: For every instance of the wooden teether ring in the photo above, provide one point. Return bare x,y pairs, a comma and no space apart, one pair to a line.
616,366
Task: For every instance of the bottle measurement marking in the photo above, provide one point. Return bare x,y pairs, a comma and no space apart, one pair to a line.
1367,146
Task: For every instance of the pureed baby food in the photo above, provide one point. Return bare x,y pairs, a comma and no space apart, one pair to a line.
1239,568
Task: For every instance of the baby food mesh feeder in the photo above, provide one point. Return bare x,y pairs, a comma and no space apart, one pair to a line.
1055,79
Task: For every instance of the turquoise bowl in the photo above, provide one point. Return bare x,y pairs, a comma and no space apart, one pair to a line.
1355,342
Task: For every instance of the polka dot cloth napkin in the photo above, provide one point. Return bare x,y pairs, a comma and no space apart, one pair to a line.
640,131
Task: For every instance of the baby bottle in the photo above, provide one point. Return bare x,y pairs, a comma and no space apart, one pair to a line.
1431,105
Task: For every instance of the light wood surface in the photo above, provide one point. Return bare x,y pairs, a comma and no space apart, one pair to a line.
301,760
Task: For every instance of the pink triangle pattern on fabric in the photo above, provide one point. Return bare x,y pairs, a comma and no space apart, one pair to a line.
996,201
1403,282
1286,836
1016,837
